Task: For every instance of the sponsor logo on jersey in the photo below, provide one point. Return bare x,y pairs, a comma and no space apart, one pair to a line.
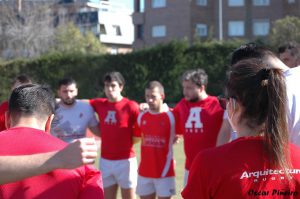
268,174
153,141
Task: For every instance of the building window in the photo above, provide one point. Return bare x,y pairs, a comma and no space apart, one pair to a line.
140,31
102,29
158,3
117,30
201,30
236,28
261,2
95,29
261,27
201,2
158,31
235,2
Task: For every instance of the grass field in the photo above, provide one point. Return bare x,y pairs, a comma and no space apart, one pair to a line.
179,169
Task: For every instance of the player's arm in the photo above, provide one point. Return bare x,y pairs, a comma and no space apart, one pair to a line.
224,133
95,130
14,168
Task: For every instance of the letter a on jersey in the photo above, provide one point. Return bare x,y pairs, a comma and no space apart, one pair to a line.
111,117
194,118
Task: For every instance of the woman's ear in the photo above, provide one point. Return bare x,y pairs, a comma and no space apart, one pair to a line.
48,123
7,120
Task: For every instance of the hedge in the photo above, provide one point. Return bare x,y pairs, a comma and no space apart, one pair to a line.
164,63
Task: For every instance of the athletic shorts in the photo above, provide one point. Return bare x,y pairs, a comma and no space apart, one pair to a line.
120,172
163,187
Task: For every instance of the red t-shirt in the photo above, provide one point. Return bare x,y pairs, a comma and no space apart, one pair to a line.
199,122
117,121
240,170
157,132
83,182
3,109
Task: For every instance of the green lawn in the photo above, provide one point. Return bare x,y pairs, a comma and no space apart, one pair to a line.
179,158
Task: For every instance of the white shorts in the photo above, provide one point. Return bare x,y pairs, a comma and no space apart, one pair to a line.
121,172
163,187
185,178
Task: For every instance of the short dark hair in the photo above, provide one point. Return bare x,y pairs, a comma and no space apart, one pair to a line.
197,76
66,81
294,47
156,84
250,50
32,99
114,76
23,79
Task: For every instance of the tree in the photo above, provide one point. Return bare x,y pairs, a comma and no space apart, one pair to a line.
284,30
28,33
68,38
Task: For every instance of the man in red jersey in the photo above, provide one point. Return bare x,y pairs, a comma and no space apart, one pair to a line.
19,80
199,116
157,129
117,116
29,117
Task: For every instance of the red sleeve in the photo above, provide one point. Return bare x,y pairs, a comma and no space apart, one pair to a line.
177,121
197,184
92,103
92,186
135,110
137,131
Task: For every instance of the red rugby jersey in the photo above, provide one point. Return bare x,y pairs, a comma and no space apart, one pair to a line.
240,169
199,122
117,121
157,132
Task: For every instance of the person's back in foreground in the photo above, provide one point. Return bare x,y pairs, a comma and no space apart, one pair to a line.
260,163
29,117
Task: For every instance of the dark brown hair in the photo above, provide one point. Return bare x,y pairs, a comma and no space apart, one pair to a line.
114,76
156,84
261,91
196,76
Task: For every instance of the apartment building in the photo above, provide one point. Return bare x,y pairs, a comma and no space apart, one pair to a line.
165,20
110,21
115,26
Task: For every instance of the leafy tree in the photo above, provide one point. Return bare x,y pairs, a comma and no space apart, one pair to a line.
286,29
69,39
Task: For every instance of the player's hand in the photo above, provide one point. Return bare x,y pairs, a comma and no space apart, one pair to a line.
77,153
176,139
143,106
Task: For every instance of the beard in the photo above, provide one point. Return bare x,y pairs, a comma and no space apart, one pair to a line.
194,99
69,101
